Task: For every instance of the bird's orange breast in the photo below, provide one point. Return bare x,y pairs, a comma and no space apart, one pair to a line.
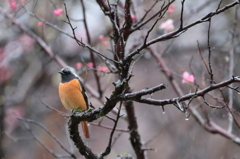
71,95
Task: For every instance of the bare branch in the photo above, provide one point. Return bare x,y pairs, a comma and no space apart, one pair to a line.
161,14
74,135
213,106
108,127
108,149
146,12
89,42
145,91
209,53
200,53
44,146
213,127
49,133
181,18
48,106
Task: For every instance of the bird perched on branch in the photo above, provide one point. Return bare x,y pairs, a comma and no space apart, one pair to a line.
72,94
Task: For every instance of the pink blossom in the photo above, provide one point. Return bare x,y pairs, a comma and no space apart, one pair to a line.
101,68
58,12
78,64
90,64
5,73
27,42
11,118
171,8
101,37
167,25
105,43
133,17
170,11
13,4
21,2
187,77
40,23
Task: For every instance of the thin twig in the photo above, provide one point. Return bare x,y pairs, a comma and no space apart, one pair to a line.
108,127
44,146
200,53
48,106
49,133
91,52
181,17
160,16
108,148
209,53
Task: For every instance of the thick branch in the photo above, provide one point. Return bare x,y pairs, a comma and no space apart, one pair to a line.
74,135
135,137
128,20
146,91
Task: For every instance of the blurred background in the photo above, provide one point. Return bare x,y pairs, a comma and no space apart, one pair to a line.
29,78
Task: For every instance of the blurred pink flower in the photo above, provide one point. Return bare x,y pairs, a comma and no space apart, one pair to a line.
11,118
133,17
101,68
167,25
101,37
171,8
40,23
105,43
78,64
21,2
58,12
27,42
90,64
5,73
187,77
13,4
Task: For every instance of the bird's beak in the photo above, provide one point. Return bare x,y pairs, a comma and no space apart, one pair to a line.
61,72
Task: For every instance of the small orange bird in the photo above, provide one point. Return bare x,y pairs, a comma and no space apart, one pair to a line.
72,94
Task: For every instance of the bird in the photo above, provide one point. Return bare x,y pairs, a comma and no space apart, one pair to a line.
72,94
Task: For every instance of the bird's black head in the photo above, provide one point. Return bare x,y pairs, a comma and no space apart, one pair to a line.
67,74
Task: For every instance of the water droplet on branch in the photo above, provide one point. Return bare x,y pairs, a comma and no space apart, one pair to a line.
187,115
163,110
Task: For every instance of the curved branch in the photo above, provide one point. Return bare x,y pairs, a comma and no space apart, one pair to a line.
74,135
